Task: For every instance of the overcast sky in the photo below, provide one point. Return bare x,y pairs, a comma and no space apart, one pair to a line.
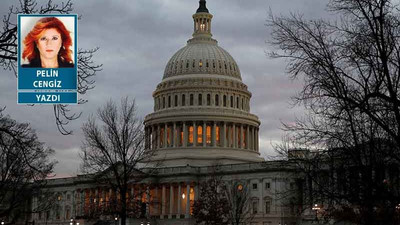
136,40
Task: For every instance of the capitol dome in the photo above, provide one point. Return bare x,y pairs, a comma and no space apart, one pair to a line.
202,57
201,107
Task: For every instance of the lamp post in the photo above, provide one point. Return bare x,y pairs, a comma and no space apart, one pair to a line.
71,222
2,222
316,208
116,220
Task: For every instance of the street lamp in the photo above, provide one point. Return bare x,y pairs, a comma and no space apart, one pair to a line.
2,222
316,208
116,220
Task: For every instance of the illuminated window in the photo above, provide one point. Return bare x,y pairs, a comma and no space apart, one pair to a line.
181,139
208,99
191,99
191,135
169,136
199,134
59,198
244,138
183,100
162,136
238,137
217,139
202,26
200,99
200,63
216,100
227,134
208,134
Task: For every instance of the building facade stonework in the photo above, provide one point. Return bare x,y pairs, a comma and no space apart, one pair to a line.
201,121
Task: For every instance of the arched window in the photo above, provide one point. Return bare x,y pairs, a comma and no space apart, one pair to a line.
242,103
200,63
224,100
162,137
183,100
231,101
191,99
163,102
200,134
169,134
181,136
237,102
217,136
200,99
191,135
169,101
208,99
159,103
208,135
216,100
176,100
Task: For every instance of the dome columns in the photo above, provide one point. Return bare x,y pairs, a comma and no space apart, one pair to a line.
202,134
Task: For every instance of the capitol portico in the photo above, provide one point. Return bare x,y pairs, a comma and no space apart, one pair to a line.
201,124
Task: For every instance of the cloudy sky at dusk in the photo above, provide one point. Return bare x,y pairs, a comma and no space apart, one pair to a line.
136,40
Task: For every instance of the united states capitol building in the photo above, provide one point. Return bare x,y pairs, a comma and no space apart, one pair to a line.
201,121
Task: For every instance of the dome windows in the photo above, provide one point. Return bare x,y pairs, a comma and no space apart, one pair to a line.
200,102
191,99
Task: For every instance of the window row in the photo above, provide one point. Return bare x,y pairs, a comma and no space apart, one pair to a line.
208,65
202,135
199,99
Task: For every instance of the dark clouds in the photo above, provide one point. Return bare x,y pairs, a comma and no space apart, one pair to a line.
136,40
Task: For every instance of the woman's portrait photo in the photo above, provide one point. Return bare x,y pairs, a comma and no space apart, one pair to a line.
47,42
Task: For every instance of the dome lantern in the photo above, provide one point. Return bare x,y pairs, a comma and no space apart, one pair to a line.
202,21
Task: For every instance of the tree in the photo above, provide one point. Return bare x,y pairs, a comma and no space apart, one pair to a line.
114,149
238,195
87,69
212,207
222,202
25,164
351,72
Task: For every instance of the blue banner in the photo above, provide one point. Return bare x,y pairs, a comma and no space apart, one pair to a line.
47,98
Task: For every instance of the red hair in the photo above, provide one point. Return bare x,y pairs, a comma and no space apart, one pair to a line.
31,51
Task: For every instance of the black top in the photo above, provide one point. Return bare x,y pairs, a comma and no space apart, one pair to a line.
202,7
36,63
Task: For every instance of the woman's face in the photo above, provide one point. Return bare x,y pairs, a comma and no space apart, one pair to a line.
49,44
